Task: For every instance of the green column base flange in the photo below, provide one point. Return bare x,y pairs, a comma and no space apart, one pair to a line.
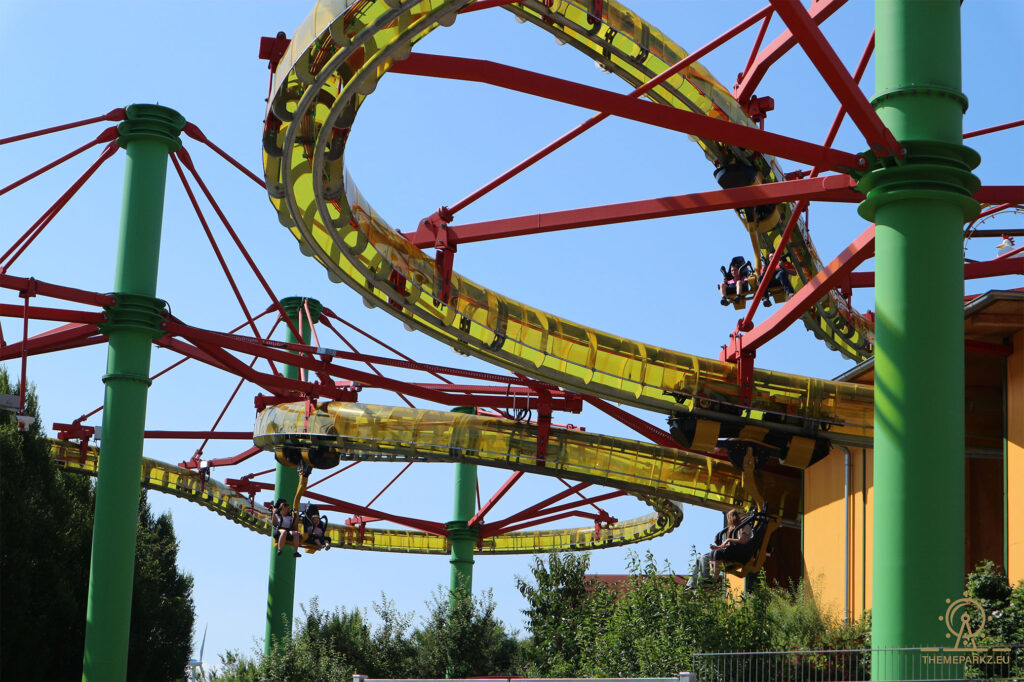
931,170
458,530
462,540
293,304
135,312
151,122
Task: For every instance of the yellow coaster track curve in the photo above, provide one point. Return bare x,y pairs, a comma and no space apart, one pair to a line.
335,60
219,498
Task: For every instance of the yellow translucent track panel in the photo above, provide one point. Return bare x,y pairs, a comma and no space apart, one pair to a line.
359,431
315,103
221,499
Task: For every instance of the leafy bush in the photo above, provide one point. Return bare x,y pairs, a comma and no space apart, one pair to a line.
1004,618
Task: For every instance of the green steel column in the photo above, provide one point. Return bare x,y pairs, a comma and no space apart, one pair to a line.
148,134
462,538
281,587
919,207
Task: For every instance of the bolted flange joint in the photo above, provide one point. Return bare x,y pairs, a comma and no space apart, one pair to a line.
937,171
293,304
458,530
135,312
151,122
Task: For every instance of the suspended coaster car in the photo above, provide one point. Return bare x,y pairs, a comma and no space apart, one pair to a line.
795,442
305,459
307,513
761,523
739,287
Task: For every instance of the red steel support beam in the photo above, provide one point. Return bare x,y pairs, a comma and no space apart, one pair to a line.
189,351
21,284
821,54
658,436
52,314
624,106
597,118
211,435
341,506
495,498
539,508
112,115
66,336
1000,194
829,277
486,532
183,435
214,344
751,77
978,270
829,188
993,129
237,459
482,389
308,351
332,474
384,489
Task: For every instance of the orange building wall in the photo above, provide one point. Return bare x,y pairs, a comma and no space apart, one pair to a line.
825,513
1015,459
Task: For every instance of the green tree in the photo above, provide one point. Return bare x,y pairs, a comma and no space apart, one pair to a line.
563,613
46,526
46,518
1004,618
163,614
463,638
334,643
651,625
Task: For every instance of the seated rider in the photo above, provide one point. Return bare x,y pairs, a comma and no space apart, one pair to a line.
735,279
316,528
782,274
728,538
285,526
732,544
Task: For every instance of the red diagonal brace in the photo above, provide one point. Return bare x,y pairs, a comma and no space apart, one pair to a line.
828,188
752,75
827,278
821,54
505,487
624,106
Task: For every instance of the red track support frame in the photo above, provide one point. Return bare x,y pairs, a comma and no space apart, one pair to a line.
751,77
820,52
624,106
838,188
828,278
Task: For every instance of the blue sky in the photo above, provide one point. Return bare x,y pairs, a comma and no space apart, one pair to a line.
416,144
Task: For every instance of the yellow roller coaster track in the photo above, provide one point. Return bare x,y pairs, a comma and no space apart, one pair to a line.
651,472
221,499
335,60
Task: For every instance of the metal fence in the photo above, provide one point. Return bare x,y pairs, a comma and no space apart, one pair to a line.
681,677
861,664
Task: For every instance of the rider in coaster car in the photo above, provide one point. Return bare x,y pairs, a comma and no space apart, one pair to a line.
285,526
734,283
316,527
780,279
